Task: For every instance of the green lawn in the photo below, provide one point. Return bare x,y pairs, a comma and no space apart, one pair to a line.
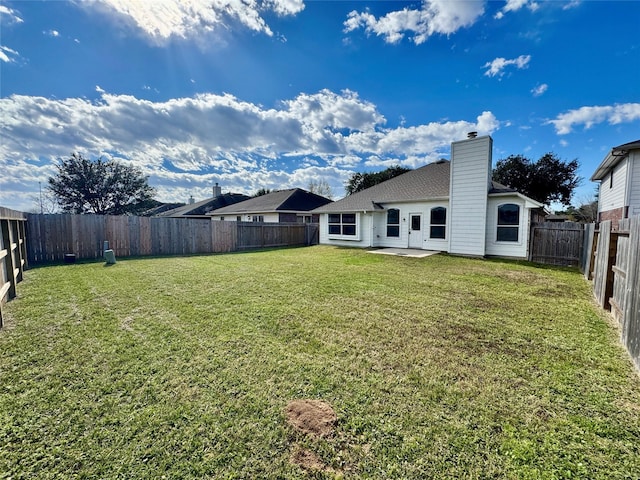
439,367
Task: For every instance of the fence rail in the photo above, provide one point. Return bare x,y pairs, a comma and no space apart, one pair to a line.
53,236
13,254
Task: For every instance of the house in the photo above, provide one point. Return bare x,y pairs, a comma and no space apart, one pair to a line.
202,208
451,206
284,206
619,189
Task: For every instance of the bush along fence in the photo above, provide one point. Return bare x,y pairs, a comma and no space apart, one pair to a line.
13,254
51,237
612,261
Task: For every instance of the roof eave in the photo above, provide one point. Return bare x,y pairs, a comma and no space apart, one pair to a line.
529,202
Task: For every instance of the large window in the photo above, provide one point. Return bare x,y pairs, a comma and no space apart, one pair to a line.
393,222
438,223
508,222
342,224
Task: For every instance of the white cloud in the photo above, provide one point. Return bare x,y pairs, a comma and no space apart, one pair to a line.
99,89
184,143
589,116
51,33
161,20
497,66
434,16
539,89
9,16
7,55
515,5
571,4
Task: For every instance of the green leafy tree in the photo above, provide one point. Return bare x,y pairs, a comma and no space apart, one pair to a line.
104,187
548,180
359,181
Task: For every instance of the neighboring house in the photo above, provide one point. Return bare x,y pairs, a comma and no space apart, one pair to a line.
619,189
557,218
284,206
451,206
202,208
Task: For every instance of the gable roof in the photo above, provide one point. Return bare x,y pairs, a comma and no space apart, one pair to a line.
205,206
294,200
614,157
430,182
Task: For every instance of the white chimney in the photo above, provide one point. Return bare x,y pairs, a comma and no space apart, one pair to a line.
217,190
468,194
191,200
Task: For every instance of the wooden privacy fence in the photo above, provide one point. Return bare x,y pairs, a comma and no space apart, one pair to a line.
53,236
556,243
613,262
13,254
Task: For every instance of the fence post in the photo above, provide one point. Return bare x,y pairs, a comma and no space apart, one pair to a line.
631,315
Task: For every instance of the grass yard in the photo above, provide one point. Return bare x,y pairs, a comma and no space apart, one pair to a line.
439,367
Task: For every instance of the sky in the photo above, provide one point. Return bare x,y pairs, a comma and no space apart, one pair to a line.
278,93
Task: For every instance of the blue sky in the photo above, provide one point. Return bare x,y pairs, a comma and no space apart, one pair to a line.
276,93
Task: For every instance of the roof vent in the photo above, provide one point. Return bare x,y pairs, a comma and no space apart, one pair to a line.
472,134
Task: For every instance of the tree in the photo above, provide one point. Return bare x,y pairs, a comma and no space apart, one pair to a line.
104,187
320,187
263,191
359,181
586,212
550,179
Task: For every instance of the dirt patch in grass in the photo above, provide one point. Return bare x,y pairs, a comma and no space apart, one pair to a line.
308,460
316,419
312,417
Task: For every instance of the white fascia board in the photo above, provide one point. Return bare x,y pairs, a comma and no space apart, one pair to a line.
528,202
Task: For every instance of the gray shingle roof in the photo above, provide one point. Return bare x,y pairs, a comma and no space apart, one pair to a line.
205,206
294,200
424,183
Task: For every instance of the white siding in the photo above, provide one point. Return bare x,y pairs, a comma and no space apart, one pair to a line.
364,221
634,185
507,249
613,196
373,227
470,176
379,231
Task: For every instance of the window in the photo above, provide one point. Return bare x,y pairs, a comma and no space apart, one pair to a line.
238,218
342,224
393,222
222,219
438,223
508,222
258,218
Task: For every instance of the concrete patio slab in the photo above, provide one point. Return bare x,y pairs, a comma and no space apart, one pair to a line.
405,252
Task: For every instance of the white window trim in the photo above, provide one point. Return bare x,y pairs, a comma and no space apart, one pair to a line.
355,238
521,215
445,224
